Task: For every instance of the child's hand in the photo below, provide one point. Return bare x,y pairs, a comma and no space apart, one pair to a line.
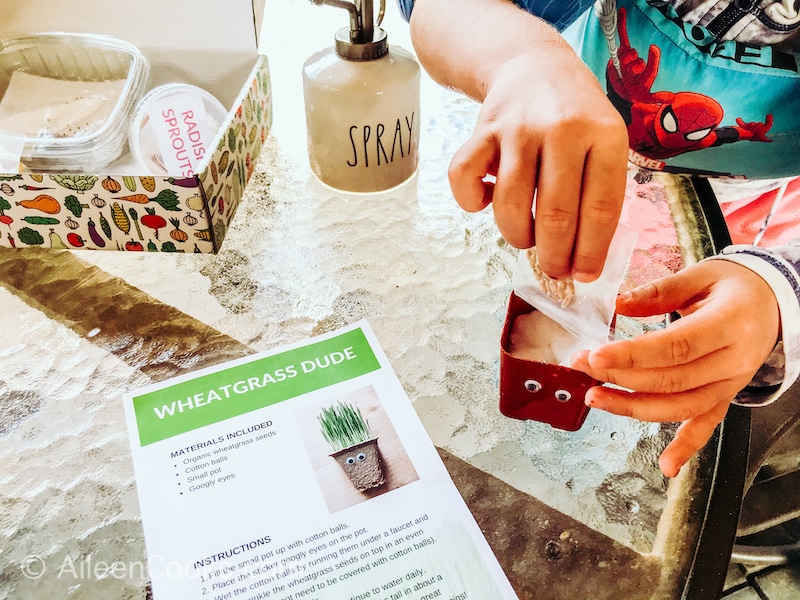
546,127
691,370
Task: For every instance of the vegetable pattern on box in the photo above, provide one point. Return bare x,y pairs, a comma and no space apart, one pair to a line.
132,213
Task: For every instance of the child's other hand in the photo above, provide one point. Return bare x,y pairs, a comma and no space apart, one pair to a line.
691,370
546,127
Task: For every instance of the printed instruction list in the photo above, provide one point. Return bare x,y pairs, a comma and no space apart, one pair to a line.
303,473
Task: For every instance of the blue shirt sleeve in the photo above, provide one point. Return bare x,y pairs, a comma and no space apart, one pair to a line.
560,14
557,13
405,8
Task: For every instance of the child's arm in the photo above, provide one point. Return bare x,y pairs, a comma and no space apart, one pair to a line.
732,316
780,267
545,127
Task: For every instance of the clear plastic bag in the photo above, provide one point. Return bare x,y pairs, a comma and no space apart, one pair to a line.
584,310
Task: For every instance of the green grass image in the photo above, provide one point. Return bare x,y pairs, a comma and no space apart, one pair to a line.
342,425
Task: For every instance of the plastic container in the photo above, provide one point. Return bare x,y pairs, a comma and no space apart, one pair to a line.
176,147
72,96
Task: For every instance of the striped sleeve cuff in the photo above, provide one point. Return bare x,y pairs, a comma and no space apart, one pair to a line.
782,368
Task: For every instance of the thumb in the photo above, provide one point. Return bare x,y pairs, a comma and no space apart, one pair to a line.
661,296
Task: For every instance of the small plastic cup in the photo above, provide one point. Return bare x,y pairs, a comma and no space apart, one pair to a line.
163,140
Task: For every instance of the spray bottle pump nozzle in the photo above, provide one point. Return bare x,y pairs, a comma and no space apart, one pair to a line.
364,40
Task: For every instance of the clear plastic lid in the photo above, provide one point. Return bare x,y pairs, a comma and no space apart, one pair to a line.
71,96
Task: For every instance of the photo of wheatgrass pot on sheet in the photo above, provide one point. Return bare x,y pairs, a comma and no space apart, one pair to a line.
354,448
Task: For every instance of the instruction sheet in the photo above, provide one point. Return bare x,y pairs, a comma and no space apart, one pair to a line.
303,473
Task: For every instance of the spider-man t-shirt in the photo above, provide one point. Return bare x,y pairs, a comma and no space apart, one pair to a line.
705,86
703,98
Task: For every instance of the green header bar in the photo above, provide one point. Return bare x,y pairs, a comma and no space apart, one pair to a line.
237,390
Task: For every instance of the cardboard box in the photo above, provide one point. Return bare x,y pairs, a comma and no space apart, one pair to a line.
210,44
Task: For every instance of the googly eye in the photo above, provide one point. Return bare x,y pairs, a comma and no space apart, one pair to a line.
350,460
533,386
563,396
361,456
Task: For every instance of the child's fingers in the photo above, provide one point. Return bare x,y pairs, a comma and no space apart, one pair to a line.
514,191
689,288
663,408
725,364
468,168
683,342
511,195
691,436
664,295
558,203
601,203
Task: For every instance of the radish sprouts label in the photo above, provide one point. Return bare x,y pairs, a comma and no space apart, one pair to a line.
182,130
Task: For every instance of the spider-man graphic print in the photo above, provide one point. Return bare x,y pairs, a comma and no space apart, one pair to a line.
664,124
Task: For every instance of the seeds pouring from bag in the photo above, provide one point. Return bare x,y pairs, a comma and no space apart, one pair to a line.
584,310
560,290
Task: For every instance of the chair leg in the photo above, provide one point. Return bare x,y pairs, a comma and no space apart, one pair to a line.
773,479
707,573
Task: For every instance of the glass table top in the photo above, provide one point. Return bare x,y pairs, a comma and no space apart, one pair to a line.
564,511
